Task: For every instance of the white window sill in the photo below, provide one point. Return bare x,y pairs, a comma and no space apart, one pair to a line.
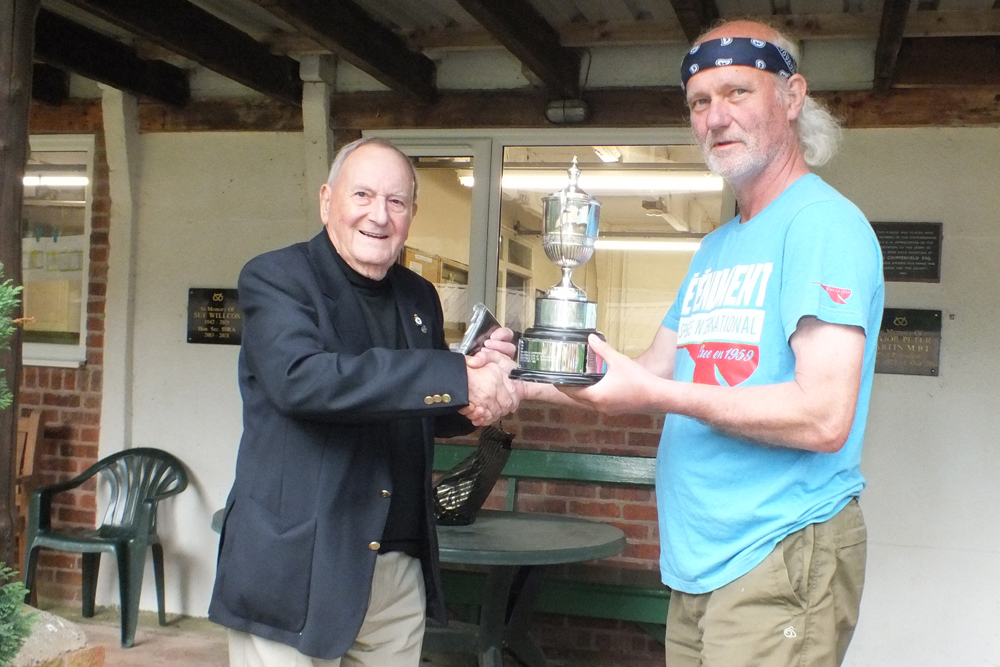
54,363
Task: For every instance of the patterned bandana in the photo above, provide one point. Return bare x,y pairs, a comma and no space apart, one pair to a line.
737,51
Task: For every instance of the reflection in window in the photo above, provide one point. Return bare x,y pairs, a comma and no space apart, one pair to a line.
656,203
55,242
438,244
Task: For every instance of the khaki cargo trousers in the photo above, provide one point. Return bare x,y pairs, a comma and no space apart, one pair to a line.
798,608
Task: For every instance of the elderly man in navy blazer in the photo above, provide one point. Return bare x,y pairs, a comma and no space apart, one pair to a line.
328,554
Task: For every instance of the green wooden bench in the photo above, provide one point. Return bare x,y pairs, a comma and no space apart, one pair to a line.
603,591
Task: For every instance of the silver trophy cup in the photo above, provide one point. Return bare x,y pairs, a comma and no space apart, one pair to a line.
556,350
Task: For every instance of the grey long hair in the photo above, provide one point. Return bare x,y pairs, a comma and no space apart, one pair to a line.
819,131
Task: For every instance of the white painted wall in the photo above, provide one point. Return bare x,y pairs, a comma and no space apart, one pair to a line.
209,202
932,455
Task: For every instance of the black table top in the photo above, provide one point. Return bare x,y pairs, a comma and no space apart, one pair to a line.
522,538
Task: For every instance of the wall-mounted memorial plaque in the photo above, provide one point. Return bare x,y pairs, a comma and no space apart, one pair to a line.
214,316
909,342
911,251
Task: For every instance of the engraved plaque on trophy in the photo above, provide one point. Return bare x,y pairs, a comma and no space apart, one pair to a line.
555,350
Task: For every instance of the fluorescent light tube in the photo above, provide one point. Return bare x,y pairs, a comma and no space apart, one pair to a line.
644,245
56,181
612,181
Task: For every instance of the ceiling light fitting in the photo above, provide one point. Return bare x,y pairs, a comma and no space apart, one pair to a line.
563,112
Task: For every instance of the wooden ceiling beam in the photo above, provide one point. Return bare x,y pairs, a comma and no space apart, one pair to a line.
518,26
916,107
585,34
49,84
190,31
78,115
61,43
695,16
890,38
343,28
228,114
918,24
948,61
640,107
652,107
221,115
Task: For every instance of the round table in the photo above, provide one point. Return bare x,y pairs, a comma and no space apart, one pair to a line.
512,545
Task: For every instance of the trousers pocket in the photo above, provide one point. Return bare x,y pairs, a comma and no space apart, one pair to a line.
267,568
797,553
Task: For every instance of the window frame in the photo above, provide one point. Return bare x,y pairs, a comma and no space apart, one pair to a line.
488,149
55,354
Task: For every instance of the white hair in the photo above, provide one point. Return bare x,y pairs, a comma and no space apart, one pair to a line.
343,153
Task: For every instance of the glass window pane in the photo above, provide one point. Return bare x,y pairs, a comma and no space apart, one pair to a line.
54,240
438,245
656,203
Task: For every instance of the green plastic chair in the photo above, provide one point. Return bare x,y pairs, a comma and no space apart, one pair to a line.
139,478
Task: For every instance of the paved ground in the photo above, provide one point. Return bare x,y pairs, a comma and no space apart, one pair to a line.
184,642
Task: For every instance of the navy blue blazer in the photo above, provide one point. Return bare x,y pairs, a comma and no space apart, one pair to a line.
296,554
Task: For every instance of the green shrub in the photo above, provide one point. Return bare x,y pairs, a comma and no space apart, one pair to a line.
15,624
9,299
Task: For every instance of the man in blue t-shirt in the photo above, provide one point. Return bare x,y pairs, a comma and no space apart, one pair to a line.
764,369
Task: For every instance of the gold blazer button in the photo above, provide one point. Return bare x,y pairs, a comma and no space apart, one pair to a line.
446,398
437,398
428,400
374,546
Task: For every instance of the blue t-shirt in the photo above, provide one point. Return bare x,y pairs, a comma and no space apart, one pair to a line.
723,502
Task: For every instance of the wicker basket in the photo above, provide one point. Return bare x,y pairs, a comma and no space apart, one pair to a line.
461,491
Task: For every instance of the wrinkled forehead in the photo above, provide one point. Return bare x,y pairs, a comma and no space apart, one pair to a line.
725,77
374,163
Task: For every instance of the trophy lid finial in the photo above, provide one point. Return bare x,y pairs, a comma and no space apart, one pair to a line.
574,177
573,189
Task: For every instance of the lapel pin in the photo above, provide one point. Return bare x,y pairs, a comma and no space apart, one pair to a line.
417,320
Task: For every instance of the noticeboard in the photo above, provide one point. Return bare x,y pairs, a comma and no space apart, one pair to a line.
909,342
214,316
911,251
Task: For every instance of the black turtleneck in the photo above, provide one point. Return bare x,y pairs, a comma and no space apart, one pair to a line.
405,447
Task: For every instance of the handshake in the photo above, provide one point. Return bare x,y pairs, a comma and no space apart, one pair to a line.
492,393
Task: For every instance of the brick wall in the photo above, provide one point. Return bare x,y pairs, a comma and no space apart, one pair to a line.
577,641
588,642
538,426
71,397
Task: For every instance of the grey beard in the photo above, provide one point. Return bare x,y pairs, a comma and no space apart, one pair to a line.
751,164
